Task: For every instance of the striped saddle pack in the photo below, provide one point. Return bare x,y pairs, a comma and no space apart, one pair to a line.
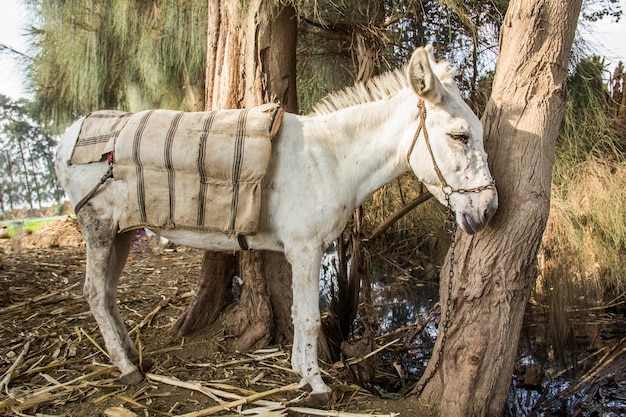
186,170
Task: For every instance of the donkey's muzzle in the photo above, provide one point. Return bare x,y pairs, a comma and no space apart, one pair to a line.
490,211
475,220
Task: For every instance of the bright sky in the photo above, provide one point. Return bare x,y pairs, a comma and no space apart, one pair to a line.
13,24
608,39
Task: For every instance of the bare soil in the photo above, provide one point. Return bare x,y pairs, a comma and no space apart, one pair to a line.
52,360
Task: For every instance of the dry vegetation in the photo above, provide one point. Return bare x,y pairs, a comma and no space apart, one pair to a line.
52,360
583,246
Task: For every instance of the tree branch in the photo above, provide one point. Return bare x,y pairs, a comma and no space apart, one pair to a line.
399,214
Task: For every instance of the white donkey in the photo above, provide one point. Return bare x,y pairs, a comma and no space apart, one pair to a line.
323,166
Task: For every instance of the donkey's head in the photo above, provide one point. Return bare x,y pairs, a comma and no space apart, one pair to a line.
448,156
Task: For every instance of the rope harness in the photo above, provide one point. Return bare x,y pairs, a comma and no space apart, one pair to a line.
105,177
450,226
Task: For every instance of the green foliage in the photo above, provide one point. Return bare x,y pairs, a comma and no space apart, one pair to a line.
26,152
124,54
586,128
339,37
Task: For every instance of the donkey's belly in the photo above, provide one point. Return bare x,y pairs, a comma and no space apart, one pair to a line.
218,241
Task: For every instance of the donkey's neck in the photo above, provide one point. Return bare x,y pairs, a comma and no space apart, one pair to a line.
367,143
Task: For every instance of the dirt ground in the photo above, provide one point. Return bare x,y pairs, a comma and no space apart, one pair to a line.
52,360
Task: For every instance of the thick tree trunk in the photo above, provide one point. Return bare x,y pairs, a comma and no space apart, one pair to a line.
494,270
278,273
250,61
220,267
251,54
252,321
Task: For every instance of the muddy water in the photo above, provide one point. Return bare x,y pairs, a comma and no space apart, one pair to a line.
580,373
548,379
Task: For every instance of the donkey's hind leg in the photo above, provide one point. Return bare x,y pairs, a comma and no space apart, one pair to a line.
106,256
121,247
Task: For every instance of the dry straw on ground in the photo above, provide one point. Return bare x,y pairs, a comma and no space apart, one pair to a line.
52,360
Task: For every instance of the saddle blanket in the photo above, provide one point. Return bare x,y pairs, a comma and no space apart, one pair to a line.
195,171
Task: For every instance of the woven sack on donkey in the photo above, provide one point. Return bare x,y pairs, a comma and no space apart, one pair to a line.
194,171
97,136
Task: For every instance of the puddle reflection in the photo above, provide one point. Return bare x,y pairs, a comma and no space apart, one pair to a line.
540,385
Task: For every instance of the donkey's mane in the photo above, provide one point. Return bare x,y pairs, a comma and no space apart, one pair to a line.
378,88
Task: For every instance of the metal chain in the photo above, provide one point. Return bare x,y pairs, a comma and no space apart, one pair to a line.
450,226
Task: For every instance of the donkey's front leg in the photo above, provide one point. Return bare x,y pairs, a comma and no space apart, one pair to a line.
305,314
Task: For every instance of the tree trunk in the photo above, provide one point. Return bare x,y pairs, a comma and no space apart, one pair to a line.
278,273
212,294
251,55
252,321
494,270
250,61
28,193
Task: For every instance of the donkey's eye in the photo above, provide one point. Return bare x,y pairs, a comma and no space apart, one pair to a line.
462,137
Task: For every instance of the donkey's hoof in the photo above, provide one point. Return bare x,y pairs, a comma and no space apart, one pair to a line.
319,399
132,378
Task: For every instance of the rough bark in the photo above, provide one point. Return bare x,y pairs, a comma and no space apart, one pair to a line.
494,270
250,61
252,321
278,273
251,54
221,267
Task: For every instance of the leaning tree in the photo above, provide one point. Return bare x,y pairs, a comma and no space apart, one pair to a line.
493,271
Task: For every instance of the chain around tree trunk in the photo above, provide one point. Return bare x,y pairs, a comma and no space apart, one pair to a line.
450,227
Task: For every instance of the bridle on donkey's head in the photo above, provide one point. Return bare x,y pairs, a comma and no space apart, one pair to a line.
447,189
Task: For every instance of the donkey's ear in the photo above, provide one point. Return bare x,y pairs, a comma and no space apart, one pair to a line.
430,52
422,78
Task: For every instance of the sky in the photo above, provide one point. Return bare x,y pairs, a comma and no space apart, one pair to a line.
13,24
607,39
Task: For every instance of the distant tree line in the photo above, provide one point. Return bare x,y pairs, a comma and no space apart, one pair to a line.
26,156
